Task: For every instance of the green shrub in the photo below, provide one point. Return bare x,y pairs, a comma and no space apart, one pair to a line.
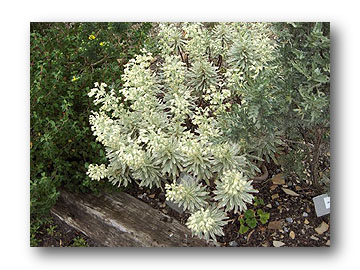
285,110
305,61
43,195
65,58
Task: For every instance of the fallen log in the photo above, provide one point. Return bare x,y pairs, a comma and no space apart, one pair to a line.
120,220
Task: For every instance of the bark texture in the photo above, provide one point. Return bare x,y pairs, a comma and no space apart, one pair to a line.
120,220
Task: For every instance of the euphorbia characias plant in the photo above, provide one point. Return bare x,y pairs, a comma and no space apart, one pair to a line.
165,119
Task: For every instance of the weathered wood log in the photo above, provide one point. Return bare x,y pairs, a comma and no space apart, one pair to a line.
120,220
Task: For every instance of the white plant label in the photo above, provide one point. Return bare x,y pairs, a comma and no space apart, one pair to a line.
327,202
322,204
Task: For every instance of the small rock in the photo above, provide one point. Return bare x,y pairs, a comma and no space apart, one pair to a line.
286,229
306,221
275,225
233,244
292,235
322,228
275,196
273,187
328,242
314,238
302,231
164,211
297,188
277,203
278,243
278,179
289,183
162,205
152,196
307,227
305,214
141,196
269,205
289,219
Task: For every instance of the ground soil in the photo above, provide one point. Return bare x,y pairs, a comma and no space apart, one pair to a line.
62,236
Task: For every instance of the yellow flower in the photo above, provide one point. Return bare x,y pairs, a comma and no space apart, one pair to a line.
74,79
102,43
91,37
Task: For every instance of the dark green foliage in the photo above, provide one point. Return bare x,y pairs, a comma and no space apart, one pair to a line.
264,216
243,228
305,61
79,242
65,60
252,216
51,230
258,201
43,195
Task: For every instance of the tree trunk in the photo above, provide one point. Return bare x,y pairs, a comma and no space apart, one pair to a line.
120,220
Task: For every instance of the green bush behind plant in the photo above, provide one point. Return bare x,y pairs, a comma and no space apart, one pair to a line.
305,61
65,60
286,116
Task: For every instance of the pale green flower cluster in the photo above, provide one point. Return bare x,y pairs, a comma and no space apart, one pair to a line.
170,39
101,125
165,118
197,40
224,35
97,172
207,223
233,191
188,194
227,157
108,99
135,157
173,72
